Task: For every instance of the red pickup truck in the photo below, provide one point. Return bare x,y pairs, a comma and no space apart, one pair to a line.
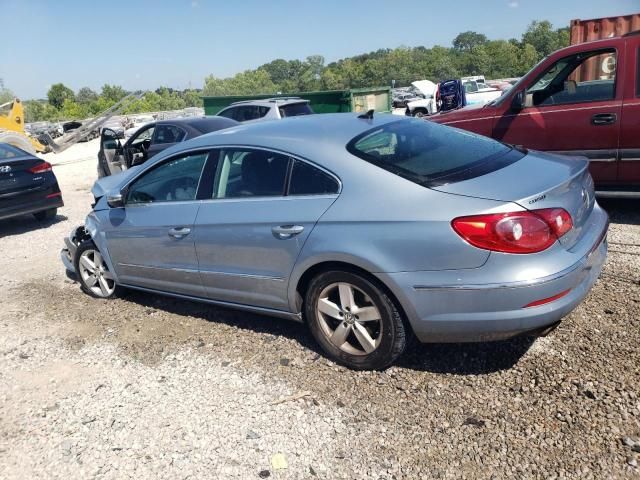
581,100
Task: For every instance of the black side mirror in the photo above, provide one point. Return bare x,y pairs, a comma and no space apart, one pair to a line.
518,101
115,200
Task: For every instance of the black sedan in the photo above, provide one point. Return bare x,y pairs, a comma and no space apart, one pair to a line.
27,185
151,139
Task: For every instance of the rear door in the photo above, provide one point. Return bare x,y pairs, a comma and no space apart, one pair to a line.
151,238
573,107
249,234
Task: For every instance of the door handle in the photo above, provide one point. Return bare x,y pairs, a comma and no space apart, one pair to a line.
179,232
286,231
603,119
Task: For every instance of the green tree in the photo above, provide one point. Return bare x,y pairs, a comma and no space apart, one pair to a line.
113,93
249,82
542,36
58,93
73,111
192,98
467,41
85,96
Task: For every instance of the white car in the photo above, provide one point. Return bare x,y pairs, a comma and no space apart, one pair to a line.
267,109
423,106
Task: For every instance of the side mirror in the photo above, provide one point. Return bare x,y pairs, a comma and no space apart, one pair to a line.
518,101
115,200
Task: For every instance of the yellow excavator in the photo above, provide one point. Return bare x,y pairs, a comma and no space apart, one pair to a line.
12,129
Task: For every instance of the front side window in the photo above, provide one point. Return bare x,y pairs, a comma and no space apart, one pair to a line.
145,134
168,134
583,77
431,154
173,181
309,180
251,173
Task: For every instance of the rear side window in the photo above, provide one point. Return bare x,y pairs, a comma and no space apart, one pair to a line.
430,154
168,134
309,180
251,173
295,109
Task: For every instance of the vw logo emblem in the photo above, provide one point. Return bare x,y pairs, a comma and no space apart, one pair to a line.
5,168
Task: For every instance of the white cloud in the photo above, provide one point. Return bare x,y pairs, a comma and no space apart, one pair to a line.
513,4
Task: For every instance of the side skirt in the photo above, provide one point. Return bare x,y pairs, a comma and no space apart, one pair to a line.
296,317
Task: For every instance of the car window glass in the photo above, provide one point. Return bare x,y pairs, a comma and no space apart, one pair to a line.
309,180
172,181
422,152
251,173
229,113
583,77
146,134
7,151
168,134
295,109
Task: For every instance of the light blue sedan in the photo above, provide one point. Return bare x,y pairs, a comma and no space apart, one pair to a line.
368,228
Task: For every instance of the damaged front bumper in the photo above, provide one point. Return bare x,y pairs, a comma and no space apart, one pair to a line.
77,236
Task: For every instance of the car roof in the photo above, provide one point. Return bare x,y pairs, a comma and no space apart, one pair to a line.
311,136
204,124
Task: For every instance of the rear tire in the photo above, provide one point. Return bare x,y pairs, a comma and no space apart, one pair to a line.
46,214
420,113
93,273
354,320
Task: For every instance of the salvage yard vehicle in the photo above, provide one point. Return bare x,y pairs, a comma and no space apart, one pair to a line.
150,139
268,109
582,100
369,229
27,185
426,105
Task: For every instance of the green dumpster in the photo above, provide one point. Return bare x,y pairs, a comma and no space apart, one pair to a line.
328,101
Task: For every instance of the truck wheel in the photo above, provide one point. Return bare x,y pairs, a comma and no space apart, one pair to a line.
420,113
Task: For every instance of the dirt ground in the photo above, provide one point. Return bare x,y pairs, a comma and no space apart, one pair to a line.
146,386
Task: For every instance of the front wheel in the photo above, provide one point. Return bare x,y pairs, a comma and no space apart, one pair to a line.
93,273
354,320
420,113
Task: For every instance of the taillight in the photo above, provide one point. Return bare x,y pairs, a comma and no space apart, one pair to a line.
514,232
41,168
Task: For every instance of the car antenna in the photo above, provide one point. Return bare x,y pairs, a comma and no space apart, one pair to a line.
368,115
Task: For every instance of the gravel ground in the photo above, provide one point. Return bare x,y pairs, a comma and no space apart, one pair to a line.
146,387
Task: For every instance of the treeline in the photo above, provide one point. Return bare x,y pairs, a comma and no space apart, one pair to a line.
471,53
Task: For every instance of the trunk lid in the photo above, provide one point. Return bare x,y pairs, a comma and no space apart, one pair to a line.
538,180
15,176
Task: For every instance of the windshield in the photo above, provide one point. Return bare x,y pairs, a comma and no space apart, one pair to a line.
295,109
431,154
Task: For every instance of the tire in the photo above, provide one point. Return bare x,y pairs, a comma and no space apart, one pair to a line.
46,214
104,285
420,113
17,140
387,336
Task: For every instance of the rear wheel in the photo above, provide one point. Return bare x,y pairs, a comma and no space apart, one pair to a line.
354,320
93,273
420,113
46,214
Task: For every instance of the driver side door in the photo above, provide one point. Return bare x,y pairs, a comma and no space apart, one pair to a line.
110,158
151,238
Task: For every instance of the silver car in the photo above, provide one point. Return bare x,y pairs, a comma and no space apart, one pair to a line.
276,108
369,229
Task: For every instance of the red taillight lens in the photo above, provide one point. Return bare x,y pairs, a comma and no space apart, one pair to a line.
514,232
41,168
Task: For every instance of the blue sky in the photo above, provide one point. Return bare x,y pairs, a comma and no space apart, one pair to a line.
143,44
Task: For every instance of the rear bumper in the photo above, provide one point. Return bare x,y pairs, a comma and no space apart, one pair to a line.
481,312
31,206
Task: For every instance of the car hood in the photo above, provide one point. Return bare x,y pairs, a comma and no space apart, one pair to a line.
427,87
112,183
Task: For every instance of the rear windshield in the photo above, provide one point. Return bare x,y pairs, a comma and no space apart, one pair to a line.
295,109
431,154
7,151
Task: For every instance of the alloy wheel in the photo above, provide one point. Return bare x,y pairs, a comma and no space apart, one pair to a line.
349,318
95,274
